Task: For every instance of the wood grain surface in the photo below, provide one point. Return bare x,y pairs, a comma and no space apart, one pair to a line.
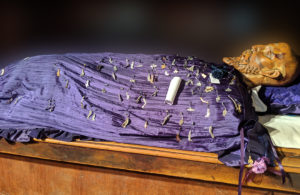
125,161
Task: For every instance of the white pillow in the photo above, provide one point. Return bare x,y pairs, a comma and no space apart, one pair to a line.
284,130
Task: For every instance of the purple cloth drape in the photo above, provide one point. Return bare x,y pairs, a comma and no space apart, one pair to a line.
282,100
90,96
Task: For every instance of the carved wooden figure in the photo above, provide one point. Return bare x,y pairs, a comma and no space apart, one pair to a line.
272,64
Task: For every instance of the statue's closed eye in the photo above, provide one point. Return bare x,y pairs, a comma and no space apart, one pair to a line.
273,73
279,56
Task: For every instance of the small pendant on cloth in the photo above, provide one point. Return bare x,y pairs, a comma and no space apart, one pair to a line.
181,120
178,137
225,110
90,114
163,66
191,68
81,102
153,66
126,122
115,69
145,102
190,136
17,99
10,100
197,72
87,83
82,73
208,89
192,91
94,117
250,161
51,106
237,105
228,89
139,66
67,84
150,78
232,80
155,92
2,71
110,61
210,130
127,95
203,75
207,112
138,100
146,124
190,58
114,76
185,63
173,62
204,101
167,73
189,82
58,73
190,109
126,63
132,65
218,98
166,119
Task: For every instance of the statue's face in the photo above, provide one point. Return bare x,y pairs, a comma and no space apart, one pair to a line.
272,64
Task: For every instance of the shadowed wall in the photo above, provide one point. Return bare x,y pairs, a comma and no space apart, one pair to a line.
207,30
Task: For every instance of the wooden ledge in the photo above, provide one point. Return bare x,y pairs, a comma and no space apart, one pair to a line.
154,160
139,149
290,161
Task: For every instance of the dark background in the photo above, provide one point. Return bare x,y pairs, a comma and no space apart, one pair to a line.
208,30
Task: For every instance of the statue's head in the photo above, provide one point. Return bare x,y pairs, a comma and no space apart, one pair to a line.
272,64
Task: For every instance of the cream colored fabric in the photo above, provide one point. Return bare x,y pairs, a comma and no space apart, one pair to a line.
257,103
284,130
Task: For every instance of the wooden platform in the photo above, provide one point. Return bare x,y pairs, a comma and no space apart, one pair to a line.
55,167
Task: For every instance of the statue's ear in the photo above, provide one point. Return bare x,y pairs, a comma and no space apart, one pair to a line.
273,73
229,60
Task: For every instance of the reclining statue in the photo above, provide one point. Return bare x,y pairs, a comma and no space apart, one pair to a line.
272,64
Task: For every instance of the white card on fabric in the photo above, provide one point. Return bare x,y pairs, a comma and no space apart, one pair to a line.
213,79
